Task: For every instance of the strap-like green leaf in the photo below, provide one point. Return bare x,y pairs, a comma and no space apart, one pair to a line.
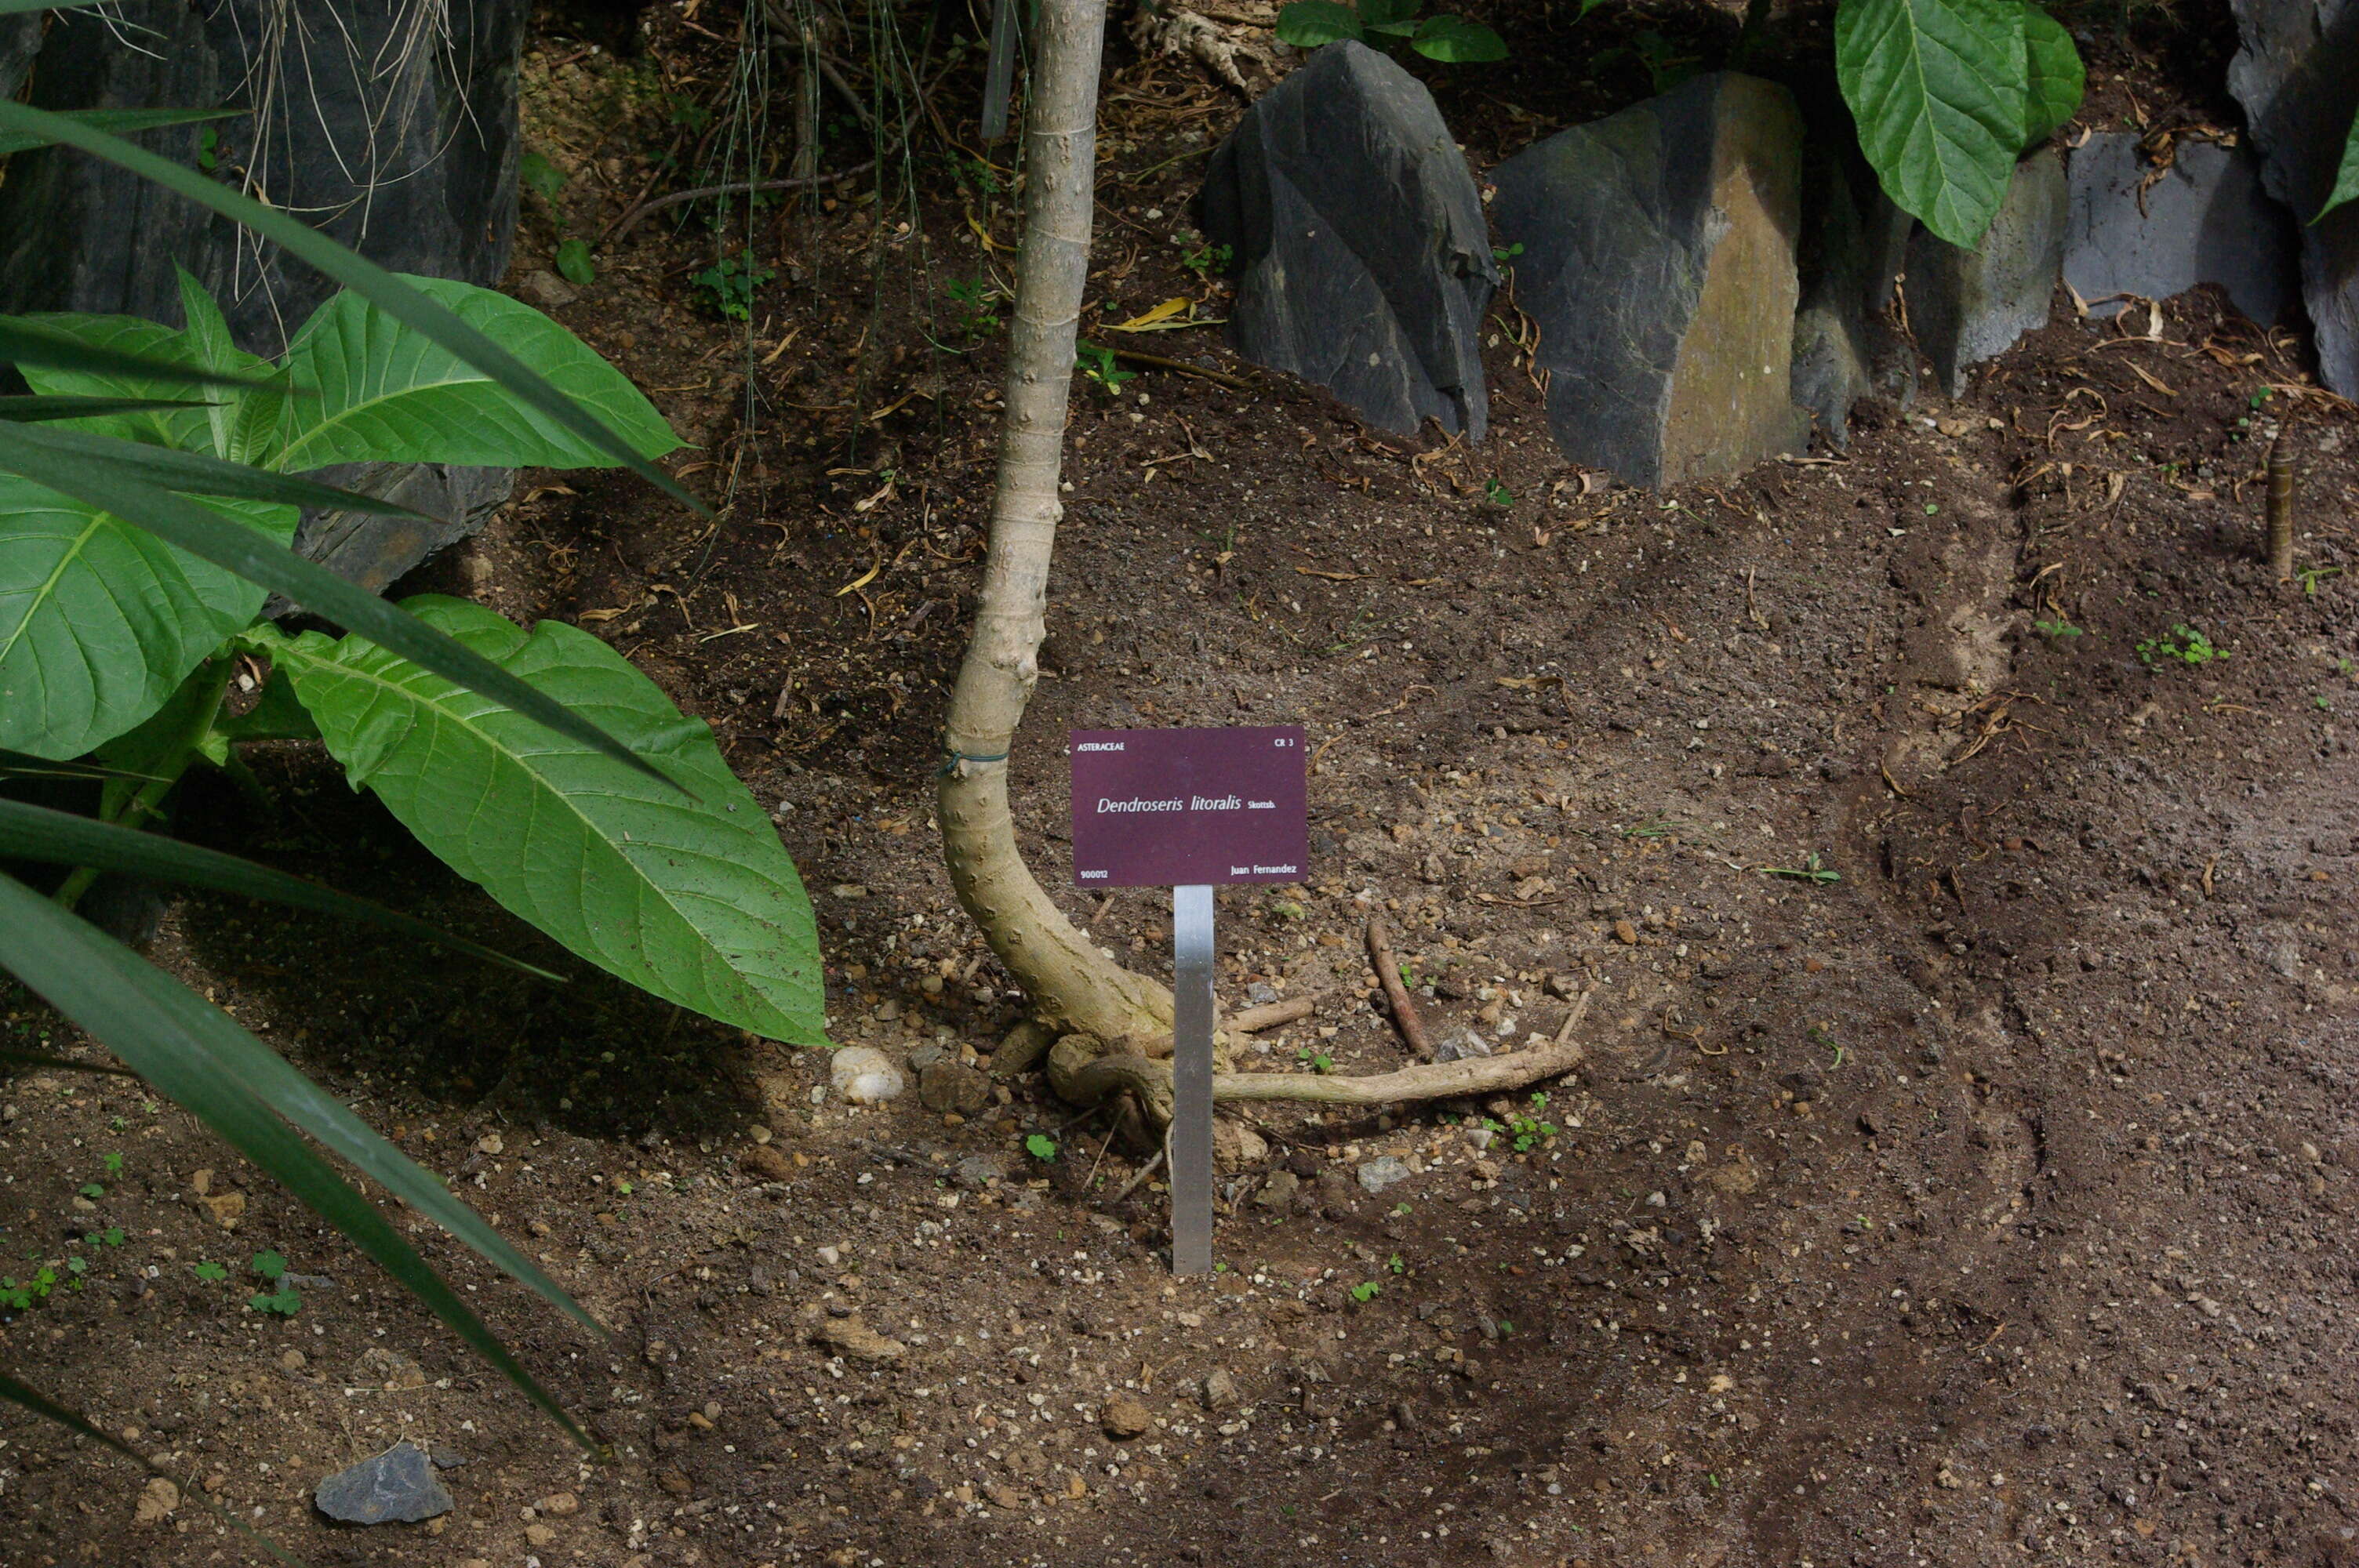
198,1057
1937,90
189,430
100,620
25,410
401,300
31,832
2054,76
2346,180
696,901
125,122
249,554
372,390
196,473
27,342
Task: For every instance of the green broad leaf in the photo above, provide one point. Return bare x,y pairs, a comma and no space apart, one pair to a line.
123,122
2346,181
1454,40
164,355
29,409
262,561
197,1056
392,294
2054,77
58,837
1308,24
371,389
34,342
693,901
1937,90
244,420
100,620
196,473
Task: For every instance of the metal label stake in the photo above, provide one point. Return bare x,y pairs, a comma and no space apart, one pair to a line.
1190,810
1192,1081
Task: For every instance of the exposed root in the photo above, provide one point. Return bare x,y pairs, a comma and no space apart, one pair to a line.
1083,1072
1166,29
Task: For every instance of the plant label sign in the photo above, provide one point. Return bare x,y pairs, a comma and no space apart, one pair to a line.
1185,809
1189,808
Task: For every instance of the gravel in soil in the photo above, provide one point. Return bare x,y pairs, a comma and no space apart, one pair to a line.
1961,1167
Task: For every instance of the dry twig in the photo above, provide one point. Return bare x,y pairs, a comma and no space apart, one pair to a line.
1405,1018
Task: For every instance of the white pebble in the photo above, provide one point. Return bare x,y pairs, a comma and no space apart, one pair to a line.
865,1075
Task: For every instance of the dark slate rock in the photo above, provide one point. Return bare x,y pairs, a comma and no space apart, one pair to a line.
1362,259
2298,79
375,550
1855,247
1659,261
1968,306
397,1486
2204,220
20,40
414,168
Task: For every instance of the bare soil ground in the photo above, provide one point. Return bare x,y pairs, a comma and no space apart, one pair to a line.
1962,1167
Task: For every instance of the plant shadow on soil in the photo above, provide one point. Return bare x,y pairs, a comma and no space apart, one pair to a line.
1990,1204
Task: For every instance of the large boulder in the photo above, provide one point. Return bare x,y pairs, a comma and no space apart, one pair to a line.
1658,260
2298,79
395,131
1855,247
1968,306
1362,260
2202,220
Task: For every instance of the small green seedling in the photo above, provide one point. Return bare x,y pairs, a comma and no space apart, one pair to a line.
1503,254
212,1274
282,1298
2059,629
1207,259
1097,362
977,301
728,286
1317,1061
1382,24
541,177
573,263
1529,1132
114,1163
1368,1292
1395,1265
94,1190
1040,1146
2313,575
1497,494
2185,645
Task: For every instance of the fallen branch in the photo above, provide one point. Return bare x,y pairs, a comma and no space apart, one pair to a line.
1412,1028
1181,367
1254,1019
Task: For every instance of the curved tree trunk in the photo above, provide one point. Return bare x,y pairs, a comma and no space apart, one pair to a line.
1069,983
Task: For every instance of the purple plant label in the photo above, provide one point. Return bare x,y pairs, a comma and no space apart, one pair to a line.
1176,807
